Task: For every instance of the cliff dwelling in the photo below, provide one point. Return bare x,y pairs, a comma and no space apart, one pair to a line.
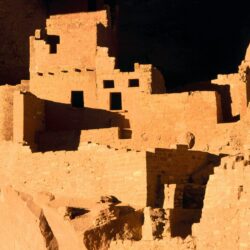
99,155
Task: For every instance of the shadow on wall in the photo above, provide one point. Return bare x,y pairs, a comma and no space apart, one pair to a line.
106,37
176,180
63,125
60,116
225,94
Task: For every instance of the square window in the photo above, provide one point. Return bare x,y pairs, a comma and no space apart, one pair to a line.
133,83
108,84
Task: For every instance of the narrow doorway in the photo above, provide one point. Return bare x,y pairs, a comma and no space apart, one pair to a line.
53,41
116,101
77,99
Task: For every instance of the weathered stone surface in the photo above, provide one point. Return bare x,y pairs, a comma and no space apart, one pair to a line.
96,158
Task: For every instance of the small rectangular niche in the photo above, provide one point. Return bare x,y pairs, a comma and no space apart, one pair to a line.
108,84
133,83
77,99
116,101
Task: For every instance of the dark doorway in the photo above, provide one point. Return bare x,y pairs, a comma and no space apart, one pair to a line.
92,5
77,99
116,101
53,40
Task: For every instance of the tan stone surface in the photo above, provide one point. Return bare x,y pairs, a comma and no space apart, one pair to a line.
96,158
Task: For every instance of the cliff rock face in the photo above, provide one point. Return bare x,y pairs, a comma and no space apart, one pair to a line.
94,157
18,20
188,40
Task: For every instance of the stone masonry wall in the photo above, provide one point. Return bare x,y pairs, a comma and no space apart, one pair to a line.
28,118
88,173
158,120
6,112
75,44
225,216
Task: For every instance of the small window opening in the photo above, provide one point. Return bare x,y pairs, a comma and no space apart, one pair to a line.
52,40
108,84
40,74
77,99
78,70
115,101
134,83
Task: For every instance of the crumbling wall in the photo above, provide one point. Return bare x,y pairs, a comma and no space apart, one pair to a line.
238,92
225,216
113,172
75,46
148,80
168,171
6,112
70,48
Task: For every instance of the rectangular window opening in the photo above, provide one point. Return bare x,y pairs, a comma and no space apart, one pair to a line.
53,41
115,101
133,83
108,84
77,99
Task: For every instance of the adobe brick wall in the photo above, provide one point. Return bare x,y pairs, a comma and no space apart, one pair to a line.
89,173
238,91
176,166
6,112
103,136
48,86
77,46
225,216
29,119
158,120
